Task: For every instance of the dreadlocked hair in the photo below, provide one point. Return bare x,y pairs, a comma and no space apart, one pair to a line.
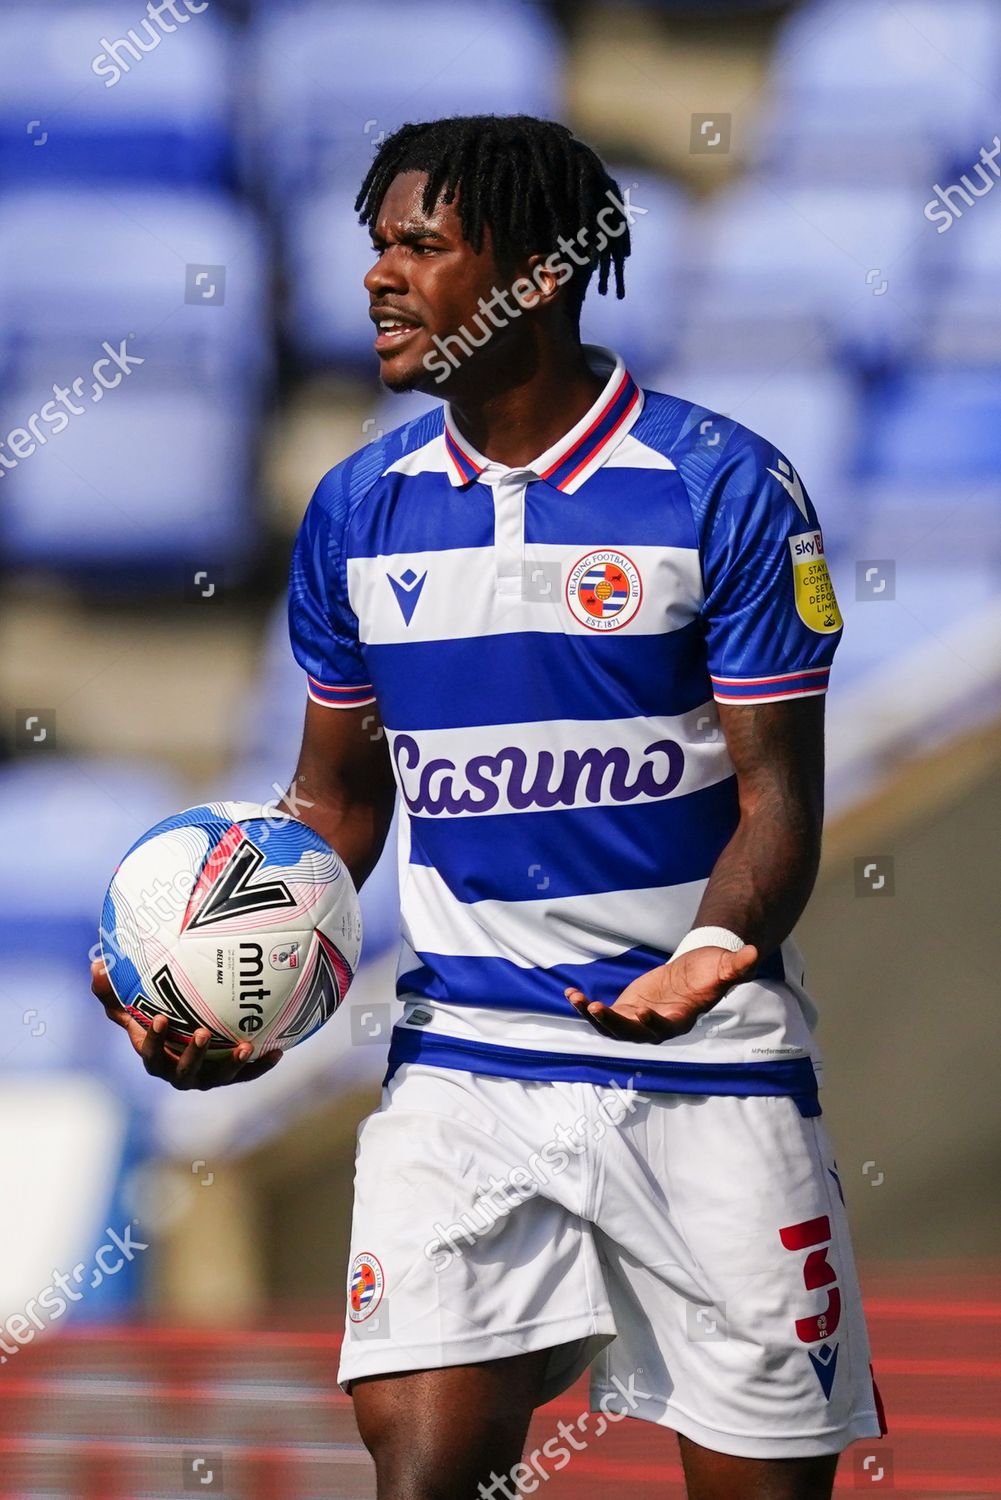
530,180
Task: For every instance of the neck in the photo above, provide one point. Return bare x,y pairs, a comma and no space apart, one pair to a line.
526,413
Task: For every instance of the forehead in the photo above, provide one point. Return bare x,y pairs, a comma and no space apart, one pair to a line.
402,208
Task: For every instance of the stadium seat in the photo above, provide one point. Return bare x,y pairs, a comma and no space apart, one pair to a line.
334,79
74,111
964,318
928,600
328,254
930,426
184,272
809,414
930,469
67,822
887,87
268,744
789,268
637,327
137,491
69,1142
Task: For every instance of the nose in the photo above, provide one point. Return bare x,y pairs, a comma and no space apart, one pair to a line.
386,275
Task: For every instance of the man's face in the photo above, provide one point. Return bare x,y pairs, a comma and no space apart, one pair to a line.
427,280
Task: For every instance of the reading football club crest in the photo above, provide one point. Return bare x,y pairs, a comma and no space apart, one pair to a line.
604,590
365,1286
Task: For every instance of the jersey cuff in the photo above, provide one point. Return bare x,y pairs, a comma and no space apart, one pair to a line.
333,695
805,684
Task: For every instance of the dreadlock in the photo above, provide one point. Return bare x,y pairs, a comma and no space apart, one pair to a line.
530,180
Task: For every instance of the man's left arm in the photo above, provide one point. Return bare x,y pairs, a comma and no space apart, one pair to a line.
771,625
763,878
760,883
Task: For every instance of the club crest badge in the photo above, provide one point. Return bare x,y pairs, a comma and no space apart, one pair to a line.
604,590
365,1287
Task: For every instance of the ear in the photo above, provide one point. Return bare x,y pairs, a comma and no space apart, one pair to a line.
540,271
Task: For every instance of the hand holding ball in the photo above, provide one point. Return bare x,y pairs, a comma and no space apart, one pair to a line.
234,918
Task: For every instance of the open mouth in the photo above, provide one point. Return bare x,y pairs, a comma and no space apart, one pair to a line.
393,333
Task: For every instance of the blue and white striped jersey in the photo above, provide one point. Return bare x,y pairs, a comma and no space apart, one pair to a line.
547,646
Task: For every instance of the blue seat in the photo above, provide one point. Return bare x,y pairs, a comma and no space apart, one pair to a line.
929,427
930,599
68,822
158,110
661,238
138,490
333,79
809,414
785,267
963,323
268,744
877,86
69,1148
329,254
929,461
83,265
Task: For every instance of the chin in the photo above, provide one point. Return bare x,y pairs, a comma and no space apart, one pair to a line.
399,380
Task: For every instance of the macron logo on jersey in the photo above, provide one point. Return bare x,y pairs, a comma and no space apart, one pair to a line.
790,482
407,589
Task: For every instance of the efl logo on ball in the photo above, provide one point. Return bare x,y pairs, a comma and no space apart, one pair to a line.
604,590
284,957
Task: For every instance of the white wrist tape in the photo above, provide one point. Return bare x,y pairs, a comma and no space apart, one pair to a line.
707,937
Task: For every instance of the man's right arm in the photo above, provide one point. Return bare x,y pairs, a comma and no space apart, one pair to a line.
343,785
343,788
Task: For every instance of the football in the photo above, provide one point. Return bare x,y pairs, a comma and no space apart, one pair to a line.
234,917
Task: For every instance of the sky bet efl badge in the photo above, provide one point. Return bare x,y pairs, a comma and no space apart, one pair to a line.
604,590
815,599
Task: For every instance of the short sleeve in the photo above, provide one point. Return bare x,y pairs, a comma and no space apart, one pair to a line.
770,616
322,626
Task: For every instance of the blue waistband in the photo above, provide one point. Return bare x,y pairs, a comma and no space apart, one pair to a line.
790,1077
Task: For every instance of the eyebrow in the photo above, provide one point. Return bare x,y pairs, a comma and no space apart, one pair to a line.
408,233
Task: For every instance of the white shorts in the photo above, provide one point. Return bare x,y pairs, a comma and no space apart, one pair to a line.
694,1248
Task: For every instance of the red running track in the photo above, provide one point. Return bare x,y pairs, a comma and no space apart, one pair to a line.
123,1413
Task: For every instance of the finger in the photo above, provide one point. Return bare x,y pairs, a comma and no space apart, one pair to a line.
582,1005
258,1067
187,1072
617,1024
641,1025
738,966
101,986
214,1072
593,1012
153,1049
